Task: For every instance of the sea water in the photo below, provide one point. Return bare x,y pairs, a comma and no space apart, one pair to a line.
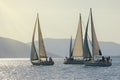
22,69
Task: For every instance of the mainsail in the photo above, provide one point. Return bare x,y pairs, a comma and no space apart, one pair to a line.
78,44
42,52
95,46
34,55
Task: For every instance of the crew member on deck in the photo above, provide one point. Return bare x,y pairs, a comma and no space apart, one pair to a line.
50,59
103,58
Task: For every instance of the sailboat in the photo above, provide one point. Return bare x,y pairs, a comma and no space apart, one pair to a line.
77,51
93,59
40,57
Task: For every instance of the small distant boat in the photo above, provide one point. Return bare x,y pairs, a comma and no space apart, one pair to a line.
42,58
76,54
96,51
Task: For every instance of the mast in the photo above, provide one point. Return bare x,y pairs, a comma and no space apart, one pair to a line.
78,44
34,55
42,52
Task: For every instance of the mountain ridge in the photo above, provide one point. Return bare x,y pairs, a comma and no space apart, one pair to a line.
10,48
61,46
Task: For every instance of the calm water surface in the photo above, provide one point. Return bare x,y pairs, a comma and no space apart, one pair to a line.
21,69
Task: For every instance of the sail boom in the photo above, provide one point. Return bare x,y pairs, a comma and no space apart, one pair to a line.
77,56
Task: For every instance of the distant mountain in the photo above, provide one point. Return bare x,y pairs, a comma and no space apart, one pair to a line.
110,48
55,46
61,47
10,48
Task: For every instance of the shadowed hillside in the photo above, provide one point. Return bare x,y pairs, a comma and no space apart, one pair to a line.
13,49
10,48
61,47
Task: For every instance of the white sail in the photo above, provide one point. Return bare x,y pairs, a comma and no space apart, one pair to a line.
78,44
95,44
42,52
34,55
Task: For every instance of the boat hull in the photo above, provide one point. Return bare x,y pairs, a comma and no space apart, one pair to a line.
42,63
74,62
96,63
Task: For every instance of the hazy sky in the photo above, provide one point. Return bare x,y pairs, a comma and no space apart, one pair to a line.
58,18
